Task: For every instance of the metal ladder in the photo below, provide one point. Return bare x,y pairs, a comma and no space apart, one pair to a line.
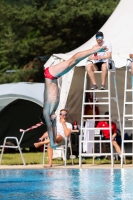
127,112
107,101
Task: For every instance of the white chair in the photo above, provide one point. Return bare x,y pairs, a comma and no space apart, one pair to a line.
17,146
62,148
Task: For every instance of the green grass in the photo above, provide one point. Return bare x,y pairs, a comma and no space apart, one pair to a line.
36,158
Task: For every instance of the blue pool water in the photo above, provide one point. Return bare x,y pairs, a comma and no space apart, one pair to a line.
67,184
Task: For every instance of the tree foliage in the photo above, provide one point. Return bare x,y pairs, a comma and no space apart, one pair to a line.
30,28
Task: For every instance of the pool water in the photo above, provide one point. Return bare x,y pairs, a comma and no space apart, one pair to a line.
67,184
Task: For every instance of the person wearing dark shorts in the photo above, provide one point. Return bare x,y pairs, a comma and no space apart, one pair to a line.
99,65
98,62
106,132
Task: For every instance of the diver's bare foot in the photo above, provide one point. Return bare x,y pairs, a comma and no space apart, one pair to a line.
38,144
48,166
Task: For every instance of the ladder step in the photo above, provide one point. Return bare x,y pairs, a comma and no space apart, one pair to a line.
129,90
97,103
99,72
114,98
96,91
94,154
128,102
92,116
128,154
128,128
93,128
131,115
99,120
95,141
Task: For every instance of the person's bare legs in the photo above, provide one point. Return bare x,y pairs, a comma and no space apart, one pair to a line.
117,148
49,150
50,155
39,144
104,73
90,70
131,68
45,135
65,66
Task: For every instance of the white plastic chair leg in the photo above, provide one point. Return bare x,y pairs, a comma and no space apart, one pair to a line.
21,155
43,155
2,151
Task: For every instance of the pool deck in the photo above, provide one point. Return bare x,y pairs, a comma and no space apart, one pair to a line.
84,166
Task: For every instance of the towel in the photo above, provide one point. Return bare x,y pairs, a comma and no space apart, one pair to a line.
88,135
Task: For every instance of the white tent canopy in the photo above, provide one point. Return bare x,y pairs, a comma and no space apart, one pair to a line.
118,29
20,107
27,91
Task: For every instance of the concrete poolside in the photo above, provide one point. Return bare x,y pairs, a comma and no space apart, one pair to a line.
55,166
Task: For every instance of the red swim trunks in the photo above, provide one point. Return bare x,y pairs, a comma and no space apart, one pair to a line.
48,75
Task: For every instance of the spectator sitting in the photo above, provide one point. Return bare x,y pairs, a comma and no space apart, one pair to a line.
106,133
99,62
64,129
